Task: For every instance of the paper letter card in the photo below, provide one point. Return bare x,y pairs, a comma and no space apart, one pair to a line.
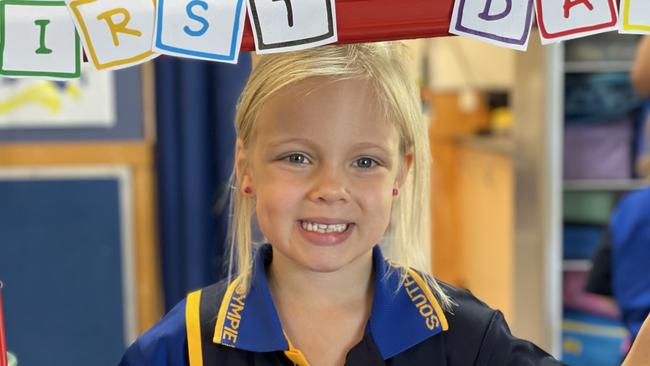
115,33
38,39
204,29
291,25
635,17
501,22
560,20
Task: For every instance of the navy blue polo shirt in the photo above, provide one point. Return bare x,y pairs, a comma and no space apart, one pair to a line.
224,324
630,235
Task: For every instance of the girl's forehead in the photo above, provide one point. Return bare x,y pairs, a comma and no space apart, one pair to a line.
325,109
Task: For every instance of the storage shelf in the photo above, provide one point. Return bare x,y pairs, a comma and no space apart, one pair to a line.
597,66
605,185
577,264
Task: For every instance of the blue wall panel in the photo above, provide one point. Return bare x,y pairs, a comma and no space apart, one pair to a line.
60,260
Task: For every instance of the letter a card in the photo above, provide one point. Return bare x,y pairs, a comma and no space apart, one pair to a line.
290,25
634,17
115,33
38,39
560,20
203,29
502,22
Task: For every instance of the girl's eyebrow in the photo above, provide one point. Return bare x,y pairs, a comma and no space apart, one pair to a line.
310,143
372,145
298,140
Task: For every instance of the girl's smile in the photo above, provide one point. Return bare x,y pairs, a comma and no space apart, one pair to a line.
323,231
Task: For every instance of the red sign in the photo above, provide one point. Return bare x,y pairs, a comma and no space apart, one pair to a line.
383,20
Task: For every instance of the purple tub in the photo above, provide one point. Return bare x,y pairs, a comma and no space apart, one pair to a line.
601,151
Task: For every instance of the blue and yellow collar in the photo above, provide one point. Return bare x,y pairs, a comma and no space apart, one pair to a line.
399,319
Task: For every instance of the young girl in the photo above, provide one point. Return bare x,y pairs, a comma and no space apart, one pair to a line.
333,160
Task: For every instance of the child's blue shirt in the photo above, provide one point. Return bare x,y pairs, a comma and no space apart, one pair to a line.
226,325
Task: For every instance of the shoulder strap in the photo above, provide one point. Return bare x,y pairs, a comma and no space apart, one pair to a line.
200,319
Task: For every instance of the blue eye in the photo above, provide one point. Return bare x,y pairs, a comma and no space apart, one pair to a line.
365,163
297,158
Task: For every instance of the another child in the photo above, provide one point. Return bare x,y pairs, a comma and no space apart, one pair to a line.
333,159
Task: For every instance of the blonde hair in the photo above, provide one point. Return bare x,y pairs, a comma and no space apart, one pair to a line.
384,65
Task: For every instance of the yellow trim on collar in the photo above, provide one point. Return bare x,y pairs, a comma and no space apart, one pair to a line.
193,328
223,310
295,355
432,299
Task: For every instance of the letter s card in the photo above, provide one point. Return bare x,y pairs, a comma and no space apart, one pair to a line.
203,29
504,23
560,20
291,25
115,33
38,39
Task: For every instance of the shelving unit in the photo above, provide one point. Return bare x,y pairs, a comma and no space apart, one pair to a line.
597,66
584,58
539,107
619,185
577,264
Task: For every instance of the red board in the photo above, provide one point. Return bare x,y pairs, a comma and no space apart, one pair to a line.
383,20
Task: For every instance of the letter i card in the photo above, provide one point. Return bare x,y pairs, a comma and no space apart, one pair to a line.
203,29
560,20
504,23
634,17
115,33
38,39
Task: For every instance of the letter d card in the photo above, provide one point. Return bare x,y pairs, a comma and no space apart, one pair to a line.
504,23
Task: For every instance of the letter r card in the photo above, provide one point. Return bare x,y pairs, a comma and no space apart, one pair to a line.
115,33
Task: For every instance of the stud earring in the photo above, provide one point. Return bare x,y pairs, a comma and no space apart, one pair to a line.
248,190
395,192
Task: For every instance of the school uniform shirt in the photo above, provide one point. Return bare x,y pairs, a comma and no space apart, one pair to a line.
223,325
630,236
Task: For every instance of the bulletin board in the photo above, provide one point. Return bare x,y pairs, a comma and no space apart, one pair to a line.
67,263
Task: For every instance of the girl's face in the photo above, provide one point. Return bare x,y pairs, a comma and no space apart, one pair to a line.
322,167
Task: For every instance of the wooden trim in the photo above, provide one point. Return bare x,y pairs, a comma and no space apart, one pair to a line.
147,256
149,101
127,153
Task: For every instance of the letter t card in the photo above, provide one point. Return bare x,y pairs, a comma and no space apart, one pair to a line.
38,39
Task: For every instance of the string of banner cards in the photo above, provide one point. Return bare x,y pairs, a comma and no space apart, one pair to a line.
43,39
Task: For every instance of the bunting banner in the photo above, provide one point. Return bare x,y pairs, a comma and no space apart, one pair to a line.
43,38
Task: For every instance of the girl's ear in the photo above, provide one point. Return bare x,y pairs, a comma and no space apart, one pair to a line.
405,167
242,169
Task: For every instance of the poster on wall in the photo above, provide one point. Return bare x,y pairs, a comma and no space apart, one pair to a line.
85,102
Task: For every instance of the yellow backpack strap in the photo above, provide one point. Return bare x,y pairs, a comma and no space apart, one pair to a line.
193,328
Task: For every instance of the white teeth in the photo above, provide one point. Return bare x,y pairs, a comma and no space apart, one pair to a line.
323,228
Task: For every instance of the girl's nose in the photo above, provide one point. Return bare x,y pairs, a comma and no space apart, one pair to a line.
329,187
